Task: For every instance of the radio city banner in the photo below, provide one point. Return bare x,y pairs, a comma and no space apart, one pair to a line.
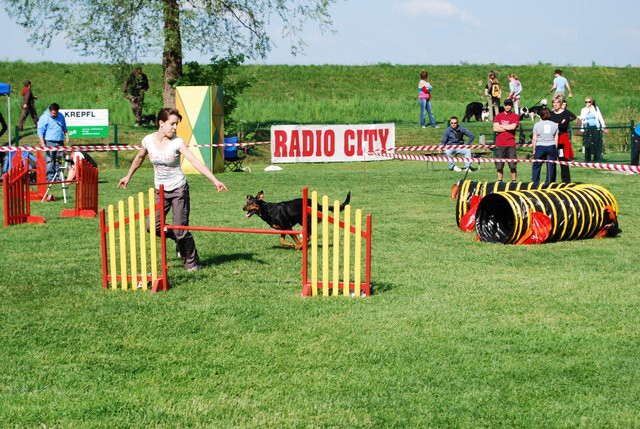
331,143
88,123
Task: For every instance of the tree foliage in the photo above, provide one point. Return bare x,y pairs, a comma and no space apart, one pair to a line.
126,31
221,71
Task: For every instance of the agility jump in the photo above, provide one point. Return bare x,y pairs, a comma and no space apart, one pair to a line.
18,195
121,245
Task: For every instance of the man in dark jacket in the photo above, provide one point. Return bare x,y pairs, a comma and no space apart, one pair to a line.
454,136
134,89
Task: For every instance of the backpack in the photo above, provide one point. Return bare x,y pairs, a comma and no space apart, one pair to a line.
495,89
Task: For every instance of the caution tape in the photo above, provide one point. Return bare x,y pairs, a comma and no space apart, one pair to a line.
443,147
109,148
623,168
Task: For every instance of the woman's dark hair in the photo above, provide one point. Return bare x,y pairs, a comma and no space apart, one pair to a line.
165,112
423,74
545,113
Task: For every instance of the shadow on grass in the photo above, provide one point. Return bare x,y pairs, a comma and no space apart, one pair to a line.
380,287
221,259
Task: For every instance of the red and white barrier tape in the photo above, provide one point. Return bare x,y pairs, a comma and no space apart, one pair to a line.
623,168
107,148
441,147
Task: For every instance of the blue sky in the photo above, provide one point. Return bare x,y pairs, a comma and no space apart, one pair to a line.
427,32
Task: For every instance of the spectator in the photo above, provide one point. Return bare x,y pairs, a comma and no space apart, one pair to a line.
635,148
52,132
563,117
424,100
72,161
505,124
28,105
164,150
515,92
3,125
454,136
593,126
493,92
545,145
3,129
560,83
134,89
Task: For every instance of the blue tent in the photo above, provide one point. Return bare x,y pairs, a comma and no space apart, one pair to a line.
5,89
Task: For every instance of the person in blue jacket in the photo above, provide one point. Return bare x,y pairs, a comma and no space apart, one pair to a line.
52,132
454,136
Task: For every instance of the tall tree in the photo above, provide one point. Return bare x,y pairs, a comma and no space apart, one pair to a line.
125,31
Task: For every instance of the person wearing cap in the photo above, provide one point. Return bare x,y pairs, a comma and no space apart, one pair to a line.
505,125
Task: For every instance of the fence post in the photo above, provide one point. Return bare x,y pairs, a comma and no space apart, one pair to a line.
635,150
115,143
15,140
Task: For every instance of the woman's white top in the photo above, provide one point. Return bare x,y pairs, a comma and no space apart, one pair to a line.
166,163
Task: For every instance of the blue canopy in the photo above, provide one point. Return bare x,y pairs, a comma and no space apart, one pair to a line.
4,88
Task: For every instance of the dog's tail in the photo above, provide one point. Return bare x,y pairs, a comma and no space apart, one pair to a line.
342,206
346,201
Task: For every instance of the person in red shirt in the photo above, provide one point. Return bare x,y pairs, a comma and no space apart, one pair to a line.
505,124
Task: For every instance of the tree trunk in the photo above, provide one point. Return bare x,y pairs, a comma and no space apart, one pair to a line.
172,54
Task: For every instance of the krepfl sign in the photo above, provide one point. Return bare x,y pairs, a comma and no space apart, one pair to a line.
331,143
93,123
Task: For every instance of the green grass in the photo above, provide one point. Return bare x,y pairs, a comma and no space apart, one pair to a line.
458,333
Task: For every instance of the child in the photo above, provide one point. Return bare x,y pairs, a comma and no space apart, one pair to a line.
515,89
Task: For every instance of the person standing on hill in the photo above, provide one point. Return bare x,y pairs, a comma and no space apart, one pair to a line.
424,100
505,124
493,93
563,117
134,89
28,105
515,92
560,83
593,126
52,132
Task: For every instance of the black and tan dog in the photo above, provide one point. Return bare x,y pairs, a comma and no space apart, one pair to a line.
283,215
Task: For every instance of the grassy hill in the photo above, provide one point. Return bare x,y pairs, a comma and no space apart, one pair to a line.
331,94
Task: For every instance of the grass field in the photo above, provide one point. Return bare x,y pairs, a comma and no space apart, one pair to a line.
458,333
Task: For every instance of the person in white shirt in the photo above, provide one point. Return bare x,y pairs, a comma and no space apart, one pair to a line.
545,146
164,149
592,126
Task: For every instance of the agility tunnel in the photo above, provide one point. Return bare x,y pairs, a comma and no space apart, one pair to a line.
547,215
468,195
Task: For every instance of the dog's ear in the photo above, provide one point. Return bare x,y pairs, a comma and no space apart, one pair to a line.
249,197
260,195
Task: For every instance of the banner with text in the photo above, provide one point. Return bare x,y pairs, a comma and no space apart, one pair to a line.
331,143
89,123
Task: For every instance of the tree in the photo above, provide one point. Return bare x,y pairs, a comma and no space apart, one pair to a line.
124,31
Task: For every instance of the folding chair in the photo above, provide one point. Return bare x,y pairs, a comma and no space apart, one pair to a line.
233,155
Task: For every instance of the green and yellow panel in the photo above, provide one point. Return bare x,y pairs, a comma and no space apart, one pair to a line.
202,125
